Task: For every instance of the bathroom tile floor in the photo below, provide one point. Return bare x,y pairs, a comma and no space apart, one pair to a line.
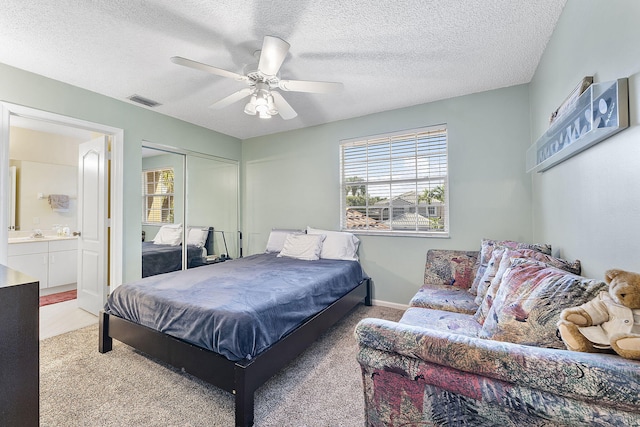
56,319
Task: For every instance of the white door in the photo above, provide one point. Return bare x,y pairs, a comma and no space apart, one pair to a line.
92,224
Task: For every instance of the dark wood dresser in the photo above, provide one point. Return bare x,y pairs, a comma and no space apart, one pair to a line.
19,349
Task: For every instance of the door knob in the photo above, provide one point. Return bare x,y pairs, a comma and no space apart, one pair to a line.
76,233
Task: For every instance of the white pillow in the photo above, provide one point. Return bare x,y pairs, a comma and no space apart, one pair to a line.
277,238
302,246
170,234
197,236
338,244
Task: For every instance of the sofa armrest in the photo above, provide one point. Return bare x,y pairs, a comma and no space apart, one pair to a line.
450,267
606,379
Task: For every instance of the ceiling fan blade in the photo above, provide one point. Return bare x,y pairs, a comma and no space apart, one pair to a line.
306,86
284,109
274,50
207,68
234,97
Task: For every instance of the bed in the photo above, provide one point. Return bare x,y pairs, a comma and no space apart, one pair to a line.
275,307
159,258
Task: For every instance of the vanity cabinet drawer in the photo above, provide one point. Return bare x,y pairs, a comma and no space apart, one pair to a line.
28,248
63,245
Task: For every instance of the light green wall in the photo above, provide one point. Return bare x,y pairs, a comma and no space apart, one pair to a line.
588,206
31,90
291,180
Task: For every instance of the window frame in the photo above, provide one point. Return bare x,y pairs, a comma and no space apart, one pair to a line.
146,196
371,140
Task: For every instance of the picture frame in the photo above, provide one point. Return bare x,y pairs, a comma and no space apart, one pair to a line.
597,114
570,100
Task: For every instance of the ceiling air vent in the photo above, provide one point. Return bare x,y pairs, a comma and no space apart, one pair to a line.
144,101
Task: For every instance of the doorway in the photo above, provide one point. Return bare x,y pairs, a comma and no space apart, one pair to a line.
110,213
43,158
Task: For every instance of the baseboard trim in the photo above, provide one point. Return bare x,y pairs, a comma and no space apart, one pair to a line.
390,304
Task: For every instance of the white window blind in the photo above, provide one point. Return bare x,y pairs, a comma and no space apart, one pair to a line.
396,183
157,196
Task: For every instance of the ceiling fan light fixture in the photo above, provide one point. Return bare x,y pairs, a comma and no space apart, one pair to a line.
250,108
272,106
261,103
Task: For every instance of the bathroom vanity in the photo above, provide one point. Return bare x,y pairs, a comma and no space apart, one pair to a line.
52,260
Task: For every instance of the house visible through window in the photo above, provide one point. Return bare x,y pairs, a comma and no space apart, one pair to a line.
396,183
157,192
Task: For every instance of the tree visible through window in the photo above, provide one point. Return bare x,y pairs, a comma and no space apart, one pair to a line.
396,182
157,192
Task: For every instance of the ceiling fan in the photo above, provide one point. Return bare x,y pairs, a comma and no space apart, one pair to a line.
262,79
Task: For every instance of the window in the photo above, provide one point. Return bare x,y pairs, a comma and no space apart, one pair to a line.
396,183
157,196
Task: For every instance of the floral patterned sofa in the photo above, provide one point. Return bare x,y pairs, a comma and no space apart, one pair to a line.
478,346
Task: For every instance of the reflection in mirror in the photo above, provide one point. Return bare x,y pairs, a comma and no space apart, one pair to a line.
187,197
162,211
212,200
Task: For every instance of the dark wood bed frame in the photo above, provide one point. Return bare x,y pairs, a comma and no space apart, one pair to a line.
244,377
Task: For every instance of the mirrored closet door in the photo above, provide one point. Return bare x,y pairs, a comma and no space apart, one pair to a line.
187,197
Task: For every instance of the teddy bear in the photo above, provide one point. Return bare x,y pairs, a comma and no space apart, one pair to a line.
610,321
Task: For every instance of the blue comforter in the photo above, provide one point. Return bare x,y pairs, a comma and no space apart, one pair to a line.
236,308
158,259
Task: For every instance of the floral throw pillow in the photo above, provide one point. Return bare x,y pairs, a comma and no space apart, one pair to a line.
486,251
489,273
528,303
451,268
485,300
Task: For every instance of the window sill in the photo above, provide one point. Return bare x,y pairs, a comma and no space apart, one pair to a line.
398,233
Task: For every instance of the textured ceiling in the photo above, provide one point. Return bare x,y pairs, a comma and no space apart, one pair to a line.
388,54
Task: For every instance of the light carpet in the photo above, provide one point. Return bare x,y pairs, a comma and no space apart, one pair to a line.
81,387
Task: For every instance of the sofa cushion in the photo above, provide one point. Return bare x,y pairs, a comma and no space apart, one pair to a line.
486,294
529,300
451,268
446,321
486,249
560,387
447,298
